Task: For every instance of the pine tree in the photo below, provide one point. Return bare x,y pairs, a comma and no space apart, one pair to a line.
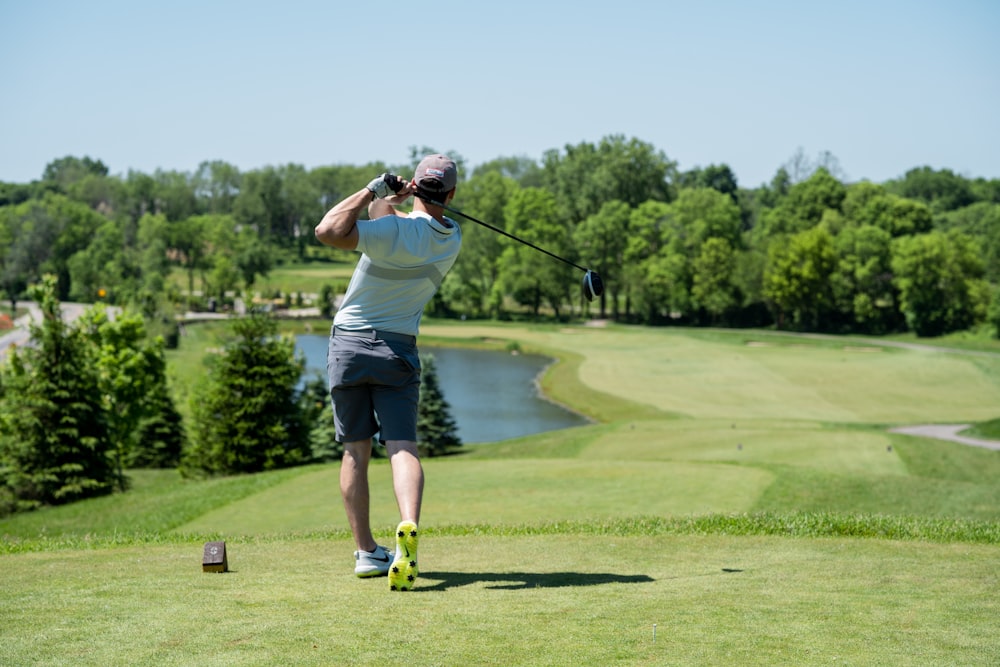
315,398
247,415
161,436
436,429
55,445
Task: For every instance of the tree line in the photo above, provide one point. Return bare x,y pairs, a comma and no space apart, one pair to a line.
806,251
90,400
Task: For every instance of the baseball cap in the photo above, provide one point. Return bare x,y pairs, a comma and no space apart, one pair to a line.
436,173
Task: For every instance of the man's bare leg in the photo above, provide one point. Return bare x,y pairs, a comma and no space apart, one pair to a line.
354,490
408,483
407,478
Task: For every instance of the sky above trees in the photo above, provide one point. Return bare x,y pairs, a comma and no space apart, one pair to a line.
884,87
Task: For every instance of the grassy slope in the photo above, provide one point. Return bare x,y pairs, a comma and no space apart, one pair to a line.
575,542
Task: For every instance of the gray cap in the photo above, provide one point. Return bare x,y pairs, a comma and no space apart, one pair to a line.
436,173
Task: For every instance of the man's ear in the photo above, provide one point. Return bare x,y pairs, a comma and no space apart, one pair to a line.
450,196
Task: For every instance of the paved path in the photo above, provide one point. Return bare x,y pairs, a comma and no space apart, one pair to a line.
946,432
20,335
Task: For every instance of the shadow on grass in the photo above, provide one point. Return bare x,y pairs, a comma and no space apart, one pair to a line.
519,580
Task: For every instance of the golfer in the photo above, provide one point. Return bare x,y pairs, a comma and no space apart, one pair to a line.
373,364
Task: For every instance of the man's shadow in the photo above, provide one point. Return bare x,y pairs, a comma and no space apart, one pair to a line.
522,580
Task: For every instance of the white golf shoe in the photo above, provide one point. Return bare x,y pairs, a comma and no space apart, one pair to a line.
372,563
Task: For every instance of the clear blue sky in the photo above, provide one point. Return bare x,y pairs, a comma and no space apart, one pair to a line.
884,86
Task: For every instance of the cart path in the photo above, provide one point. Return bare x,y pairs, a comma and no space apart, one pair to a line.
20,335
947,432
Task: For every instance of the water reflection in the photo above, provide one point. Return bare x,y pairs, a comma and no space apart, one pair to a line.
492,395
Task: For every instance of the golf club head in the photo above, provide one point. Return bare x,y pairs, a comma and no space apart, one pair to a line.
593,286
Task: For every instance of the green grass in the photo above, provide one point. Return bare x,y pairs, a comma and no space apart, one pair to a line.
304,277
983,339
561,598
307,278
988,429
739,490
186,365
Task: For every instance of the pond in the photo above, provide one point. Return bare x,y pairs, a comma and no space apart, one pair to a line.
493,395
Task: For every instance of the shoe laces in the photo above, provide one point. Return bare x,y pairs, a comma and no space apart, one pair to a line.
378,547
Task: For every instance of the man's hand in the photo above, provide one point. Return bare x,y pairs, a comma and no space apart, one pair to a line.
386,185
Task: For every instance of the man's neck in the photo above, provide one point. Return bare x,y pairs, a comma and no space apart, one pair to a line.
435,212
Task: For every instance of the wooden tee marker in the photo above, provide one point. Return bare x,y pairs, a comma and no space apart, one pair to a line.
214,559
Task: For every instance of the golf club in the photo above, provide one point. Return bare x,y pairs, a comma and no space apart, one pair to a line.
592,286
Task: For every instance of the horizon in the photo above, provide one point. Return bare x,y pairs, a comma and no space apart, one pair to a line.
883,89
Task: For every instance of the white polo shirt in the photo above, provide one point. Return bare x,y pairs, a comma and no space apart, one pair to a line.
403,261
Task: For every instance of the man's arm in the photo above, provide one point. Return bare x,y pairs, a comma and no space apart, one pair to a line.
378,208
338,228
387,206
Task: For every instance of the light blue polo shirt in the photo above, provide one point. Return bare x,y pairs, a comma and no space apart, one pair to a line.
403,261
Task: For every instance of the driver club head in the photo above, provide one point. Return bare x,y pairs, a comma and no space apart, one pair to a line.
593,286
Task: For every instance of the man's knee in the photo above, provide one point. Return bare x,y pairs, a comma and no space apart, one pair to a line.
359,450
395,446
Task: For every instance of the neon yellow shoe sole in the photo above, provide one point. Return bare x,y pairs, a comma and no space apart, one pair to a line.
403,571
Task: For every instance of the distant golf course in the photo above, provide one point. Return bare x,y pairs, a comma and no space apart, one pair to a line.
738,499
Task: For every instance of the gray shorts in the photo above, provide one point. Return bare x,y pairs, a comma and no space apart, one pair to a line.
374,387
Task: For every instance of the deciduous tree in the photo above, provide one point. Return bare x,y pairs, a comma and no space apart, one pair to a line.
471,282
713,268
942,190
132,370
601,240
939,280
797,278
530,276
583,177
804,205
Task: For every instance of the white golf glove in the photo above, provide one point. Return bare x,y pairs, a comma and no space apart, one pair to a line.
385,185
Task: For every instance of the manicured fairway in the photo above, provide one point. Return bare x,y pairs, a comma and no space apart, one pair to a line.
739,375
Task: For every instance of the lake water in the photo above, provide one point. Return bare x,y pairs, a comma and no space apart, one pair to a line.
493,395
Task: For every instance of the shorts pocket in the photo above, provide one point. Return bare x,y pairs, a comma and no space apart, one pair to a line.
407,354
342,368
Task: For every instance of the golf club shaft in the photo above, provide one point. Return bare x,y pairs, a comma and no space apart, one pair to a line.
500,231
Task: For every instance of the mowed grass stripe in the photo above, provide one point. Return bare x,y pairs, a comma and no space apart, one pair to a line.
503,491
757,523
752,442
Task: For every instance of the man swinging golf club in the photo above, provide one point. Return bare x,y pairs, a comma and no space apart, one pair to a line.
373,363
